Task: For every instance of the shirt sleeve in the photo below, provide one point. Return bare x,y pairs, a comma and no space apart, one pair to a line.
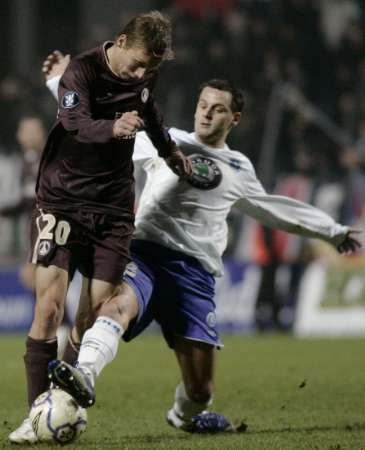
156,130
52,85
74,101
143,148
286,213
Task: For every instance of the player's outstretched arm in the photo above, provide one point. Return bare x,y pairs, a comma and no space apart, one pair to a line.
293,216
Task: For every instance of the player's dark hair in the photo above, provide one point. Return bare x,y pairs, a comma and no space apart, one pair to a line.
237,103
152,31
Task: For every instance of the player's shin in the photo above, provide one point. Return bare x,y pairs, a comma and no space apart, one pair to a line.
99,346
72,350
184,409
39,353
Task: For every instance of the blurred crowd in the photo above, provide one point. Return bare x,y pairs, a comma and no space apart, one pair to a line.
301,64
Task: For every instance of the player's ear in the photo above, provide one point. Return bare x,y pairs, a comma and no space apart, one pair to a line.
121,41
236,118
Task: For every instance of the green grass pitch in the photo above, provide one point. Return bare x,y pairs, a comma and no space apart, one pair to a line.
258,382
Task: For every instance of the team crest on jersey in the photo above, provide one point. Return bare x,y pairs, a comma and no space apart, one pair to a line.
44,248
70,100
144,95
206,174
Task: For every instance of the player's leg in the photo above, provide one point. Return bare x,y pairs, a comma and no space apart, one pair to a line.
195,393
99,344
51,253
83,319
71,342
41,344
125,313
185,309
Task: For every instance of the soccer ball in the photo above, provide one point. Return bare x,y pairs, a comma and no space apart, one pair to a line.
56,417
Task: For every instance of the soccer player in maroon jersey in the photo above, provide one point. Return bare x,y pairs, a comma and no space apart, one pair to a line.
85,189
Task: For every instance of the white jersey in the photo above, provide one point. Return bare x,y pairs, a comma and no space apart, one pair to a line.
191,216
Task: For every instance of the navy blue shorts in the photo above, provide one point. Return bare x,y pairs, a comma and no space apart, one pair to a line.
175,290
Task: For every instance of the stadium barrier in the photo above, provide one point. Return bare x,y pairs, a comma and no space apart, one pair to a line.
236,296
16,303
331,300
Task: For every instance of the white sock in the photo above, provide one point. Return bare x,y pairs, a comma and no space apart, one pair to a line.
99,346
184,408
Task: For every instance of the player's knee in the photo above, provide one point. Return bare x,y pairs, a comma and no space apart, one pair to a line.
120,308
111,309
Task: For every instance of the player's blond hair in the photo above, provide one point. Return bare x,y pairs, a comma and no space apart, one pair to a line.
153,32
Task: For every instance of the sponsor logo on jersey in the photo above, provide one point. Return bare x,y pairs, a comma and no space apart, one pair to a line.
235,163
211,319
70,100
206,173
144,95
44,248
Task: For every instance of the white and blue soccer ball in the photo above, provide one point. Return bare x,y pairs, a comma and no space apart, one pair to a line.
56,417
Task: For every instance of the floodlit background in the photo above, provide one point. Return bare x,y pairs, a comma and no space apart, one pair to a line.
301,64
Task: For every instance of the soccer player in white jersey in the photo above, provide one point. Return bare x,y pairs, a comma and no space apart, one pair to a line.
181,233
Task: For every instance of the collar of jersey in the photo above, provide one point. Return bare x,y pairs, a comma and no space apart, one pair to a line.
225,147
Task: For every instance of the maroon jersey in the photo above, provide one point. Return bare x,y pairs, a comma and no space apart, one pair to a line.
83,166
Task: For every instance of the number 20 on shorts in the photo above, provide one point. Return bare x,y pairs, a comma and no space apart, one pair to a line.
61,229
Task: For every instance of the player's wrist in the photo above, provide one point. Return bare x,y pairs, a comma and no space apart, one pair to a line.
117,130
171,149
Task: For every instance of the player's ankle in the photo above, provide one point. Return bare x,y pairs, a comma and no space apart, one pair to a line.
185,407
174,419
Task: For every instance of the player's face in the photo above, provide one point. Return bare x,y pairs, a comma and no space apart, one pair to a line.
131,62
31,134
214,117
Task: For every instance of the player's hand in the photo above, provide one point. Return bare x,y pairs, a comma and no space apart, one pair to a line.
128,124
55,64
350,244
179,164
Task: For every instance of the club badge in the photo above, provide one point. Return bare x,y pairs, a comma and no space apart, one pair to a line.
70,100
131,269
211,320
144,95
